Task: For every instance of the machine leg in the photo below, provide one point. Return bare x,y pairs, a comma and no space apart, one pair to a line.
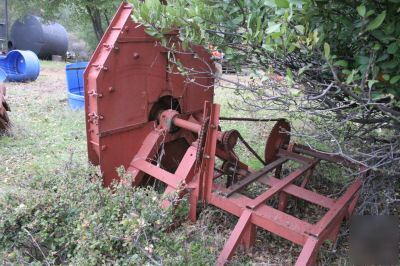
235,238
194,199
352,205
307,177
283,199
335,233
304,182
168,191
278,172
308,255
249,236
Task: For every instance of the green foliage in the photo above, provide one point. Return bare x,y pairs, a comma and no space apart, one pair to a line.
71,218
364,43
358,41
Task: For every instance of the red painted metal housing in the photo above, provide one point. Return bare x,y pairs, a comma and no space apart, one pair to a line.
126,78
162,125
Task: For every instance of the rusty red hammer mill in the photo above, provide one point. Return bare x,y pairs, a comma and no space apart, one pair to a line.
161,123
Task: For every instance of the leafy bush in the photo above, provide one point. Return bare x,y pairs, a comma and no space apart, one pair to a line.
69,217
358,37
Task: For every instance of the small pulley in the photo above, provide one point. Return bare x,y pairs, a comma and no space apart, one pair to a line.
229,139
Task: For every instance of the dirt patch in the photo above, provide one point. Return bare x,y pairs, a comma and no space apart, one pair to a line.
52,79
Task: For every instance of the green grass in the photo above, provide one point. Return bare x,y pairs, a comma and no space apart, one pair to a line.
45,131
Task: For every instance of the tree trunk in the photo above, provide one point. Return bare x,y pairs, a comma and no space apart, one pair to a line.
95,17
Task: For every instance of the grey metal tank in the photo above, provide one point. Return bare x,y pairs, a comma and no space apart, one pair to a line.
43,38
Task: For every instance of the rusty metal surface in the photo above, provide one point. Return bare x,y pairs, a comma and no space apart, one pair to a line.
255,176
160,127
277,138
249,119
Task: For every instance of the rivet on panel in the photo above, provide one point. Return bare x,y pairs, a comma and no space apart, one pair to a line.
95,94
111,89
107,46
103,147
136,55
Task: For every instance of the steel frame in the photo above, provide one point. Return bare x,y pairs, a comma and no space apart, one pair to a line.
126,78
253,213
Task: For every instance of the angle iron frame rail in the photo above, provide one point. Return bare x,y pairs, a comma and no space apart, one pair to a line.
197,179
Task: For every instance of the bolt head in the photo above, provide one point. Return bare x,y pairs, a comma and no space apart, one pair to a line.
136,55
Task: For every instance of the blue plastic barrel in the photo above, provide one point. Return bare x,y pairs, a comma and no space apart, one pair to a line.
76,98
3,76
20,66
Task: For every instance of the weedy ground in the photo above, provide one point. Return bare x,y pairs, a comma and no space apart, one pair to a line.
53,210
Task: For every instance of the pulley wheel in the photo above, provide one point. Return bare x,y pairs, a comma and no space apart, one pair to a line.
277,138
229,139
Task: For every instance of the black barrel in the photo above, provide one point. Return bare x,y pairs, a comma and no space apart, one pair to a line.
43,38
